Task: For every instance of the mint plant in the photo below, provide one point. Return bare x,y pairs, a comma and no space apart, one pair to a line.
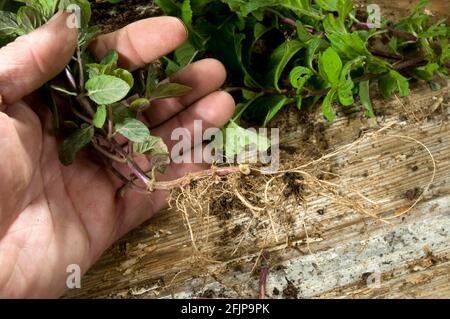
278,53
309,52
105,101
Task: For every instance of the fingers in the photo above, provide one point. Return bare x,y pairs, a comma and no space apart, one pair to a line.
35,58
143,41
213,111
204,77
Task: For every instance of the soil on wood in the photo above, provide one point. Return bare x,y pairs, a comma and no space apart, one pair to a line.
110,17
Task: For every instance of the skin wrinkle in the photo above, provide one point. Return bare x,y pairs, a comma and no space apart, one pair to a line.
81,221
132,46
24,180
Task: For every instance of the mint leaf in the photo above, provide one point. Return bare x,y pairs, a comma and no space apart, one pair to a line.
275,106
186,12
29,18
124,75
298,77
106,89
328,5
327,105
74,143
133,129
364,96
330,66
279,59
8,24
139,104
153,145
99,117
393,82
166,90
237,139
110,61
346,85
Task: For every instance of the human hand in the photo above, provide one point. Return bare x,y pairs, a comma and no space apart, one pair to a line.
52,216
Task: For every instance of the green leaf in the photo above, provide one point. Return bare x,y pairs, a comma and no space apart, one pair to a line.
226,45
275,107
106,89
349,45
185,54
364,96
169,7
237,139
121,112
299,76
124,75
110,59
426,72
99,118
29,18
344,7
302,33
330,66
139,104
153,145
327,105
312,47
8,24
346,85
328,5
95,69
133,129
279,59
186,12
166,90
151,81
333,25
393,82
74,143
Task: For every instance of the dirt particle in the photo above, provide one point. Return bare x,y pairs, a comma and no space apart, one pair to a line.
321,211
276,292
290,292
413,194
415,168
209,294
294,184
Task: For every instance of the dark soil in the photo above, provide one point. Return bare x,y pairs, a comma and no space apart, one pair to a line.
110,17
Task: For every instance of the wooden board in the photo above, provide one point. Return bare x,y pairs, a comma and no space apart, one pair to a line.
410,255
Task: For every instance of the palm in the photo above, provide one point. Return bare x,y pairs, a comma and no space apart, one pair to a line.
56,222
52,216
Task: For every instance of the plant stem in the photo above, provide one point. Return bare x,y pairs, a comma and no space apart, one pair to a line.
263,275
109,155
110,123
131,163
84,102
386,55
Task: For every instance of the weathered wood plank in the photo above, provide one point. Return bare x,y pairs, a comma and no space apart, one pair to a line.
158,260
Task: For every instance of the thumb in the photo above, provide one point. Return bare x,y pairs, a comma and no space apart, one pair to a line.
33,59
